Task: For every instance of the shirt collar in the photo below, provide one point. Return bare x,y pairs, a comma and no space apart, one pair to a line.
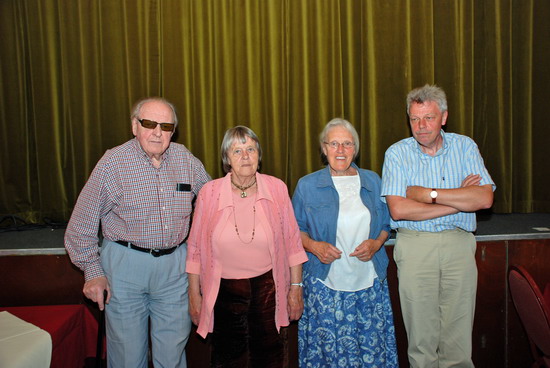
444,146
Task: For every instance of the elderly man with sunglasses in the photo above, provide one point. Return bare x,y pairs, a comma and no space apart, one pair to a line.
141,194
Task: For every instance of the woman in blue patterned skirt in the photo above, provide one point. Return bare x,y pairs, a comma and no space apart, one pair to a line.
347,319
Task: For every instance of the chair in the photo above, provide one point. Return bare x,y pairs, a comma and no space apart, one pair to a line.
534,313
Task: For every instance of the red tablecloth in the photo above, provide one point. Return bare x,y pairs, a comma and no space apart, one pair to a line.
72,327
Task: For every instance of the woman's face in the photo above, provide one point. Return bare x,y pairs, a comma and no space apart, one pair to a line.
339,149
243,158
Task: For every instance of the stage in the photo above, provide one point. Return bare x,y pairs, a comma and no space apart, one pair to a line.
491,227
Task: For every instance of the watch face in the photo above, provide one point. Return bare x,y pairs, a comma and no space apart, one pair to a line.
433,194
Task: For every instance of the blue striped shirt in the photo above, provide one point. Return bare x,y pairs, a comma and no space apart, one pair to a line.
406,165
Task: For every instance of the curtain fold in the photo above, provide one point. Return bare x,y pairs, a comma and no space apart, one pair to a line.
70,71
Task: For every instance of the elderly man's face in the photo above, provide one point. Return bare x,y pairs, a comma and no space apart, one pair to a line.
153,141
426,121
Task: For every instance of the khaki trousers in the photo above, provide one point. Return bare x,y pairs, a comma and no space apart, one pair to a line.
437,288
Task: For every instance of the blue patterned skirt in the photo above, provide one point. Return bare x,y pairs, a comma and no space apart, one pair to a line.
346,329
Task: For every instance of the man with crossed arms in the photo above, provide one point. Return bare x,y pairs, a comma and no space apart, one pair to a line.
433,182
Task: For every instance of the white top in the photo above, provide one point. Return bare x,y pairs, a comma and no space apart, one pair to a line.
353,227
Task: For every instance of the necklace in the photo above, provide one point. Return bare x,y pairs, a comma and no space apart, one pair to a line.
253,226
243,188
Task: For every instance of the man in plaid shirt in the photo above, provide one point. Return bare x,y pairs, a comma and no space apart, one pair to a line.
141,193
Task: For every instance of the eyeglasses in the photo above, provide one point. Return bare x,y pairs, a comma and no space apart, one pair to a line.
150,124
335,145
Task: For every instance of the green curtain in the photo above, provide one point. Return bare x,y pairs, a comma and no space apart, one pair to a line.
71,69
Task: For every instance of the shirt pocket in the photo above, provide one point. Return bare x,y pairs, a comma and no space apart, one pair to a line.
182,204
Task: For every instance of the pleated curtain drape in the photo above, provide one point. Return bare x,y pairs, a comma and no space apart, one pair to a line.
71,69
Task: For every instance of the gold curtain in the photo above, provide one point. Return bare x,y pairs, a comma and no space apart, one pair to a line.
71,69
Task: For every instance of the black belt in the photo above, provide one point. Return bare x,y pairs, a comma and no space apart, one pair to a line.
153,252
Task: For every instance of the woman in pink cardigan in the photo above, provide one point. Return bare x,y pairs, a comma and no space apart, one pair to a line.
244,259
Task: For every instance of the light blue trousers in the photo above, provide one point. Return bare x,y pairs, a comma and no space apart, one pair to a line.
146,291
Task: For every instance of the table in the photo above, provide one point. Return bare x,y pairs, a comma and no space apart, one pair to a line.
73,331
22,344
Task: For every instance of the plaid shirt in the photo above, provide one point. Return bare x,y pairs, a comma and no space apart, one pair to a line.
135,202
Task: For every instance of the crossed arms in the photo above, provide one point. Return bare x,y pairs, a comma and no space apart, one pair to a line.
417,206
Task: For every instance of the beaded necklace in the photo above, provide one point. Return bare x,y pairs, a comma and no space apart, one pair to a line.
253,226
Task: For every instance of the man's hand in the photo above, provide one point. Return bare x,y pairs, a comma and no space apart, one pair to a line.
366,250
93,290
472,179
469,197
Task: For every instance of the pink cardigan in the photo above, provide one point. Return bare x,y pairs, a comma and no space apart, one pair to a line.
286,251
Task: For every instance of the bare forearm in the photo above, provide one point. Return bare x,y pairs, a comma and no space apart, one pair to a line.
402,208
194,284
466,199
383,236
195,297
307,242
295,296
296,274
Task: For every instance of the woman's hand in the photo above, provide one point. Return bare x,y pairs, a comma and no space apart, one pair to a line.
195,298
366,250
326,252
195,304
295,302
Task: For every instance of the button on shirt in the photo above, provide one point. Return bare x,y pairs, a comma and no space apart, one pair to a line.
405,164
135,202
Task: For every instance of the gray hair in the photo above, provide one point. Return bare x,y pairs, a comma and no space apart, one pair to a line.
237,134
335,123
425,94
136,109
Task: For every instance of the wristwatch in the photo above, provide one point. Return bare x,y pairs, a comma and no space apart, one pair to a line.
433,194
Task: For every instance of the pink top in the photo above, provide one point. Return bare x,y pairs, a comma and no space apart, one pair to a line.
214,207
243,255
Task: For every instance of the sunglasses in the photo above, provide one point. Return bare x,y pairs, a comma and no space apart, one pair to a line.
150,124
